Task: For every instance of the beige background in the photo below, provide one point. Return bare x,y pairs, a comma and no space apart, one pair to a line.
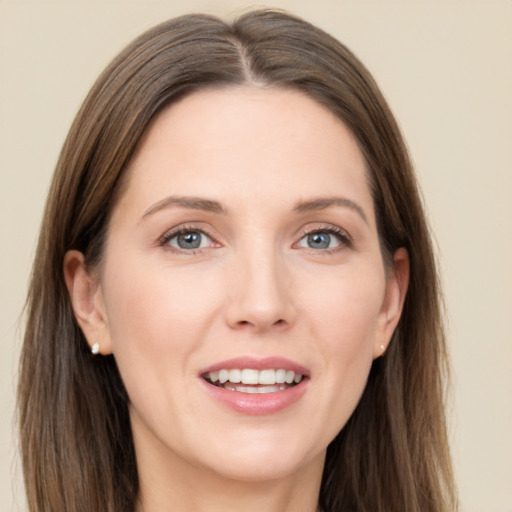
446,69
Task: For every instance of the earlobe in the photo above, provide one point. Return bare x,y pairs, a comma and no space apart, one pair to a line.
396,290
87,302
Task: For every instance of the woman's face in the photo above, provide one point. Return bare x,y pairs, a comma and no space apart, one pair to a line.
244,247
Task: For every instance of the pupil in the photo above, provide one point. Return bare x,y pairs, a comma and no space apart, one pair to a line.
319,240
189,240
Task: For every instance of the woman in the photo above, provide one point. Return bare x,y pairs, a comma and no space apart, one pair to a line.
234,301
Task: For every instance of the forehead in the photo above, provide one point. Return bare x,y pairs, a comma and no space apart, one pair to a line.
247,141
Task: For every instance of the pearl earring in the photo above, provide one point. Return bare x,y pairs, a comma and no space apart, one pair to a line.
95,349
383,348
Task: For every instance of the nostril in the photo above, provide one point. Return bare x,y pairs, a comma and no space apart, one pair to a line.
277,323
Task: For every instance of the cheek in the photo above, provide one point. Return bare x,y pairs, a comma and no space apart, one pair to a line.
157,318
141,298
345,311
158,321
345,326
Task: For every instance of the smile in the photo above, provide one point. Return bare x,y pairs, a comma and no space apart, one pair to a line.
256,386
252,381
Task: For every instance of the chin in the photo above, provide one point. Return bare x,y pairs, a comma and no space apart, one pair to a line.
262,458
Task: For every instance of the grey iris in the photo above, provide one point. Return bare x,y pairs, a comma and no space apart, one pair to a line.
189,240
319,240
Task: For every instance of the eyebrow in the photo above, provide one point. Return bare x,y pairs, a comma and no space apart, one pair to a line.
323,203
209,205
192,203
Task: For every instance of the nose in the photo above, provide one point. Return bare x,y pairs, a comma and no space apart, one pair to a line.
260,295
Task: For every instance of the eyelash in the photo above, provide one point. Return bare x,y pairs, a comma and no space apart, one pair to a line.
343,237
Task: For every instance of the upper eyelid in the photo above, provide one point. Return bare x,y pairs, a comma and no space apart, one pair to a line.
172,232
318,228
313,227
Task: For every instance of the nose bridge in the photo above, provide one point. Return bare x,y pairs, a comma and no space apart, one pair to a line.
260,295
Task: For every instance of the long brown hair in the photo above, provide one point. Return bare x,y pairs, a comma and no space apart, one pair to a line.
76,442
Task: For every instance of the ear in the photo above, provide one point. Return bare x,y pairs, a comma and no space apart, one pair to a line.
396,290
87,301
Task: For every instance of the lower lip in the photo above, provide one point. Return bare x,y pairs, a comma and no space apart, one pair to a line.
257,404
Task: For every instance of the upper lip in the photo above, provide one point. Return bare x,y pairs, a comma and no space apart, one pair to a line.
257,364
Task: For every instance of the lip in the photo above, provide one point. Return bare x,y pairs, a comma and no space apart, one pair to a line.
257,404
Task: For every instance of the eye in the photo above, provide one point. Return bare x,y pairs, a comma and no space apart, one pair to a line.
322,239
187,239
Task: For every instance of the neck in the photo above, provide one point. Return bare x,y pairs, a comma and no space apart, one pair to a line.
177,486
270,497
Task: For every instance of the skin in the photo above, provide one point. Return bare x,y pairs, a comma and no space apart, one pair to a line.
255,288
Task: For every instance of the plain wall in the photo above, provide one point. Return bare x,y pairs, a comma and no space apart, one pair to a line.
446,69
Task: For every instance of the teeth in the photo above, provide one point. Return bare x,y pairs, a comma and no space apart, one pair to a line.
235,376
268,377
289,377
255,389
280,376
250,376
